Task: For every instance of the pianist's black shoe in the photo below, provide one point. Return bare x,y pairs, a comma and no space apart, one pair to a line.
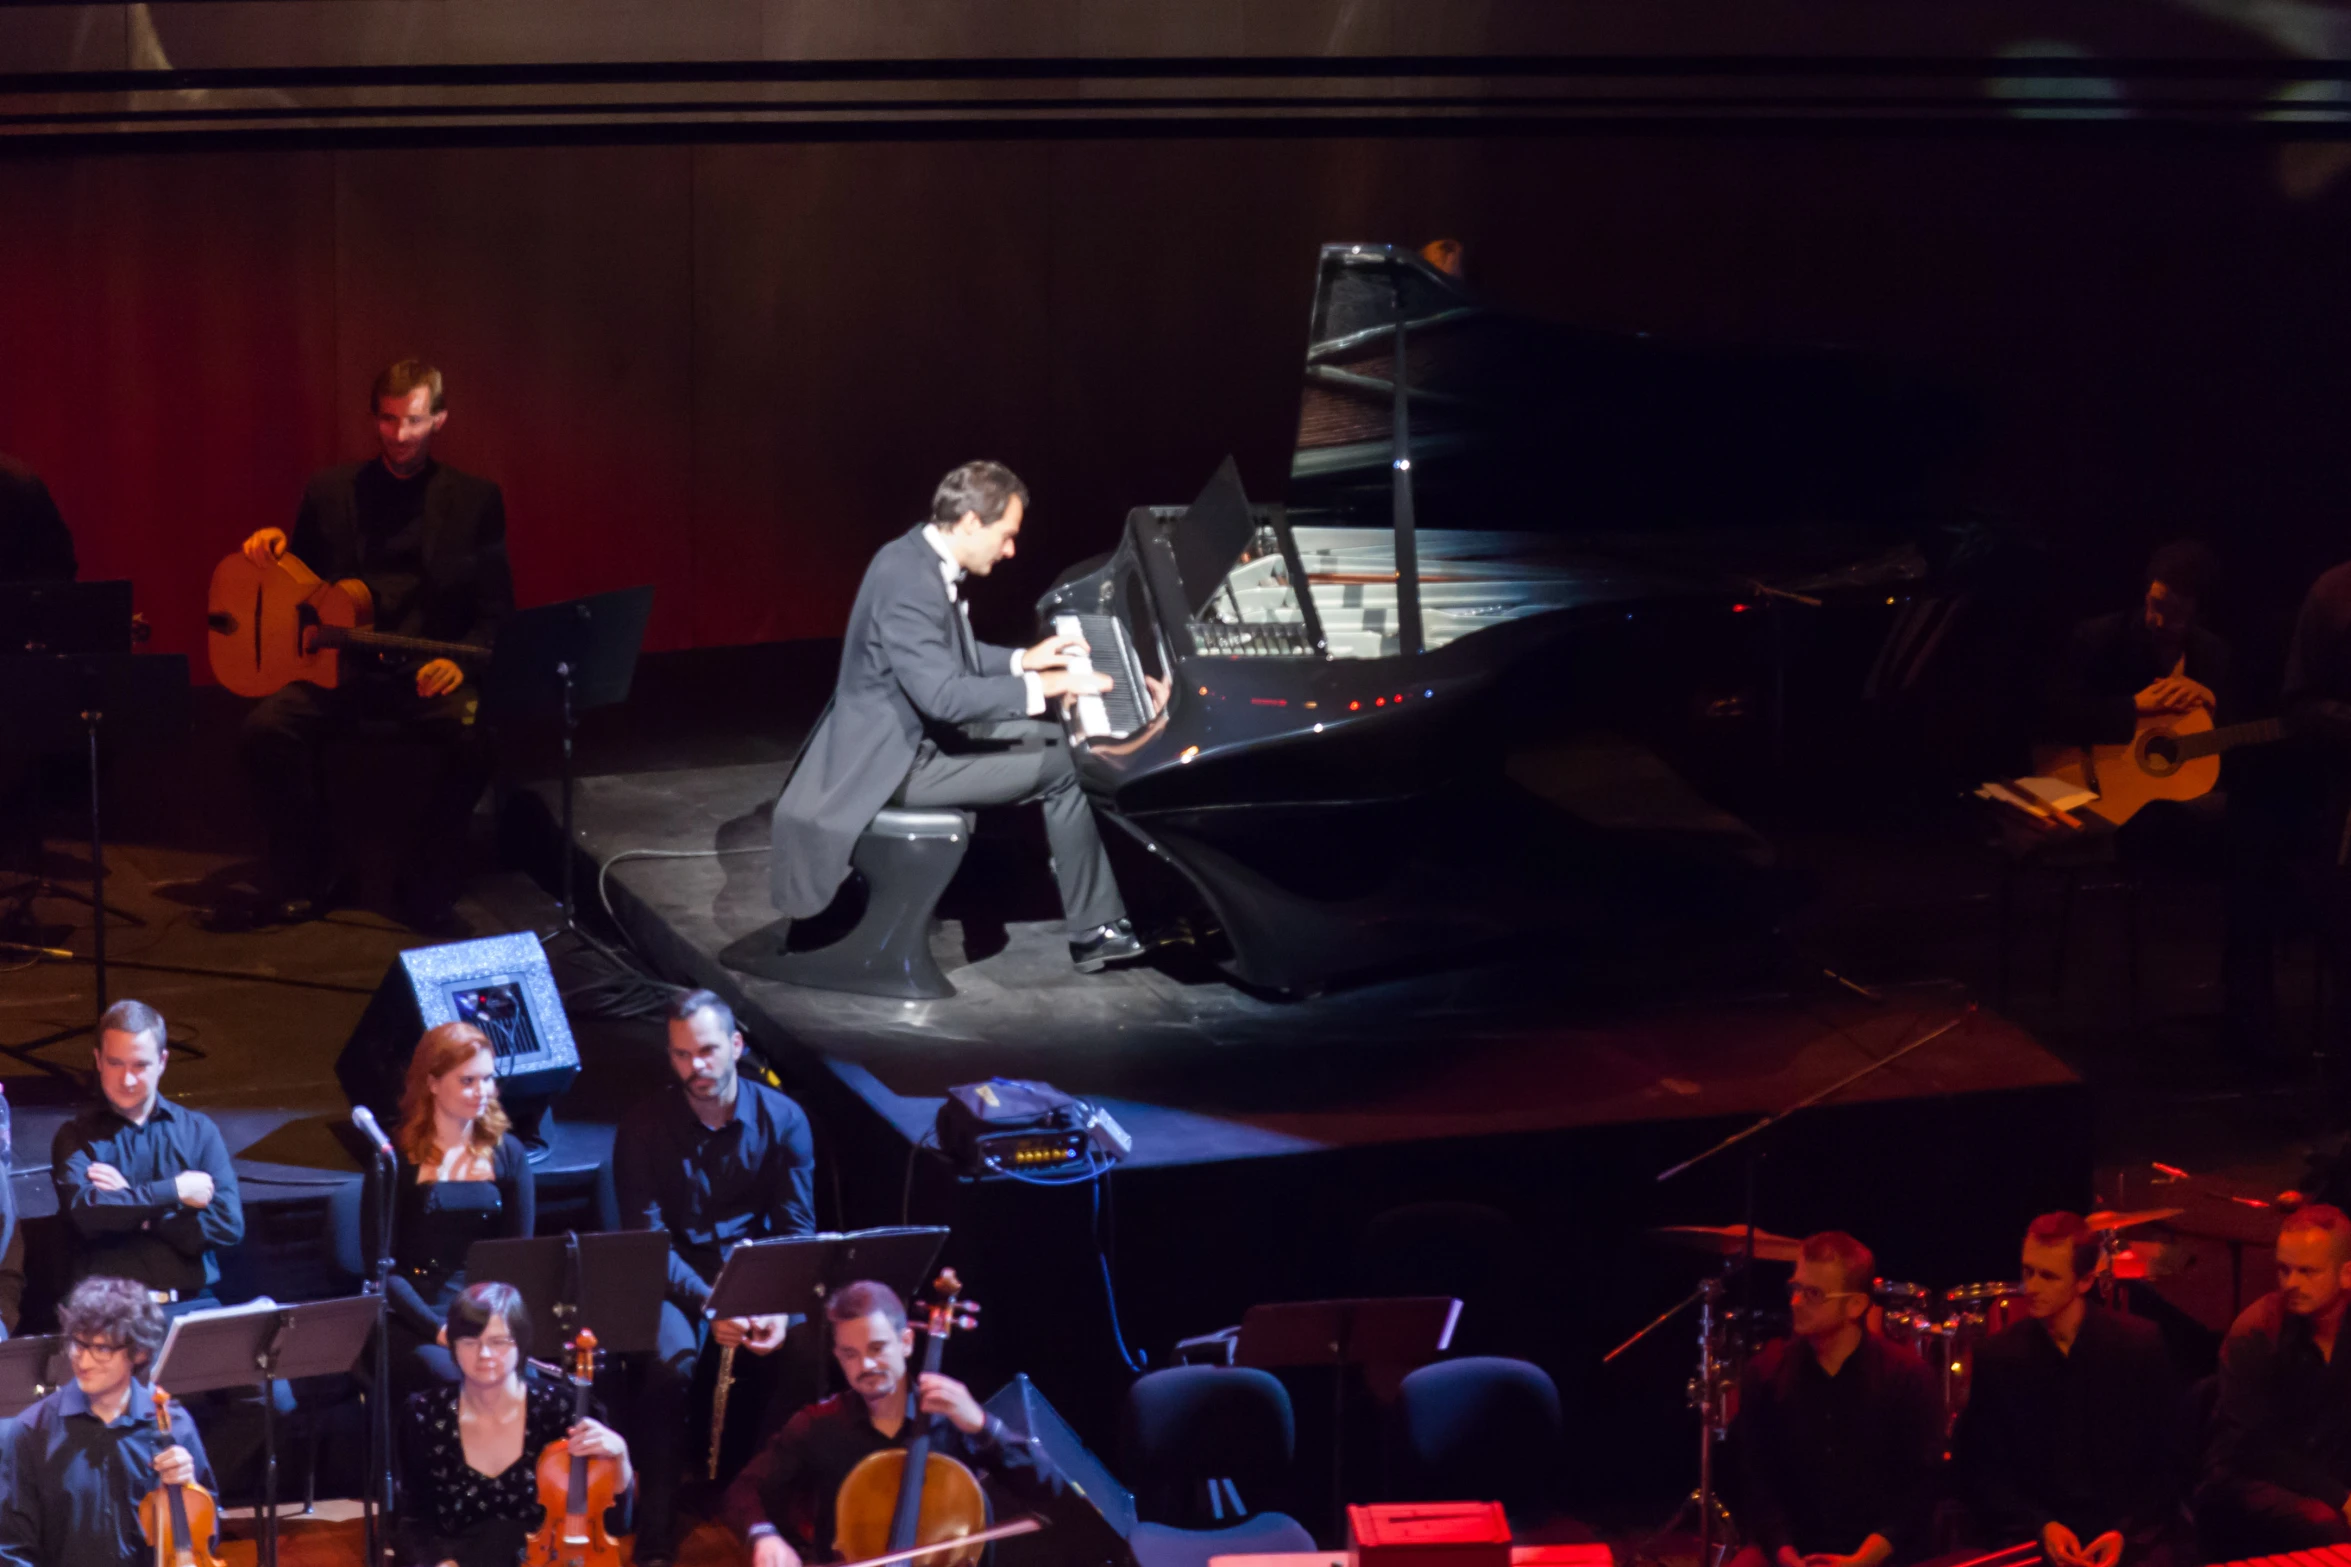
1104,945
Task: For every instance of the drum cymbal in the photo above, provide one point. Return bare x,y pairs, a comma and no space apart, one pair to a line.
2107,1219
1730,1240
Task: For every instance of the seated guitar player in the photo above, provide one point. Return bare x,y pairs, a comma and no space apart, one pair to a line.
2156,660
426,547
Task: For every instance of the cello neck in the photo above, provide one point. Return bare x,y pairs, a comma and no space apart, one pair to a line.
906,1519
583,1379
179,1550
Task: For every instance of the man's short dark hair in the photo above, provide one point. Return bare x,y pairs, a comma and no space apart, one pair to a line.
402,377
2324,1219
1856,1261
855,1302
118,1311
134,1017
982,487
2071,1230
682,1010
2188,568
479,1305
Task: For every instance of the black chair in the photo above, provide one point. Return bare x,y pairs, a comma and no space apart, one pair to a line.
1481,1429
1198,1443
901,864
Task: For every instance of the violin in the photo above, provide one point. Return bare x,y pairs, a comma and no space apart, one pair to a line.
575,1489
178,1520
901,1499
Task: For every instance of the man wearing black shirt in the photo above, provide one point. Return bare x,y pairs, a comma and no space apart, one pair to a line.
2066,1438
781,1505
1838,1430
74,1466
428,544
2278,1476
35,545
146,1185
715,1160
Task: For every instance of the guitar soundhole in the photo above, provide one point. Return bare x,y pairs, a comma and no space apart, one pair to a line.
2163,754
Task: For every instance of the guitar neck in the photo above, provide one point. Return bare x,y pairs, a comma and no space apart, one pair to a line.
2213,742
385,642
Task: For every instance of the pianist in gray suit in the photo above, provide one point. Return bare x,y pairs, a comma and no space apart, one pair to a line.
925,715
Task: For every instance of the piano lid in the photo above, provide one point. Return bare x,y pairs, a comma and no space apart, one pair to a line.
1529,425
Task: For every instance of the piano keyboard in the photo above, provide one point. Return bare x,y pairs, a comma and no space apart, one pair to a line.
1117,712
2323,1556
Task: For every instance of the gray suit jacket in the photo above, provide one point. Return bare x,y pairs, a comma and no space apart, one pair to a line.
904,671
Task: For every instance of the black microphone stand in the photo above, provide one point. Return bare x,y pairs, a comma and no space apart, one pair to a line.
379,1492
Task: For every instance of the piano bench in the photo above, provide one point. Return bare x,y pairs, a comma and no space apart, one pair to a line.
905,858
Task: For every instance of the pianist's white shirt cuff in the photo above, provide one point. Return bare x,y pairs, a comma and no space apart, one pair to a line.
1036,689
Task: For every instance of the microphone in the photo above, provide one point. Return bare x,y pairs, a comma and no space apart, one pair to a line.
366,1122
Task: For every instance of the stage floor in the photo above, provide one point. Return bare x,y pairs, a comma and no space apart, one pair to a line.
1200,1070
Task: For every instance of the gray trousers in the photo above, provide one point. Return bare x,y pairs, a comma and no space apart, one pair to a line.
1035,770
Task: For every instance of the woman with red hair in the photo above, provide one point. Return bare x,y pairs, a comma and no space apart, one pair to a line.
462,1177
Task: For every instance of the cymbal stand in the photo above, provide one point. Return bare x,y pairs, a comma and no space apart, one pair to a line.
1710,1395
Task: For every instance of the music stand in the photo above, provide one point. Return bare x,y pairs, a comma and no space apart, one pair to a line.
611,1282
557,661
254,1345
49,702
1406,1330
792,1275
30,1370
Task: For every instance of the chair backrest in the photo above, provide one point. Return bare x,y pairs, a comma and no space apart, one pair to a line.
1481,1428
1188,1427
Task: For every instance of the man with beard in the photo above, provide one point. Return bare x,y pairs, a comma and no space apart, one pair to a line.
781,1505
716,1160
2278,1477
2065,1439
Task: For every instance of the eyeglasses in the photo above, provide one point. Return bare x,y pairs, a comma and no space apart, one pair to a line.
1813,1294
94,1349
488,1346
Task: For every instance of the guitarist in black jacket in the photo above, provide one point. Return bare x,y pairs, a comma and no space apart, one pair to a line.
429,544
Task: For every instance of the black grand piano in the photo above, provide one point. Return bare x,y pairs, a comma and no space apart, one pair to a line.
1348,732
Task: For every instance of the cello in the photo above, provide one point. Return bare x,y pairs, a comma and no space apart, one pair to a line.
178,1520
902,1499
575,1489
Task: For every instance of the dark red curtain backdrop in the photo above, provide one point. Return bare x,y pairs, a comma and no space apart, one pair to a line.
732,370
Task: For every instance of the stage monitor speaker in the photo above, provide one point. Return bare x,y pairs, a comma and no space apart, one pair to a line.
1091,1521
501,985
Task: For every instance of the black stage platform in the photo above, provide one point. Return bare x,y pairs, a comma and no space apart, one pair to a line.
1271,1134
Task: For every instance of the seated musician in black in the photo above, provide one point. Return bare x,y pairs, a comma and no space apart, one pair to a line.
2068,1433
74,1466
469,1451
1838,1434
781,1505
461,1176
2157,657
2277,1477
925,715
715,1159
146,1186
429,543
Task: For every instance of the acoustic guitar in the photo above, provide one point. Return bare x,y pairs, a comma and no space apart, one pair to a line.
2173,756
269,626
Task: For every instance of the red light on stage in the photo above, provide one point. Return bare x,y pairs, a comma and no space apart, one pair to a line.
1269,701
1399,696
1738,609
1379,701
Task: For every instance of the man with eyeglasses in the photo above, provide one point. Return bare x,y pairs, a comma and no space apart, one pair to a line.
146,1185
1838,1432
2066,1436
74,1466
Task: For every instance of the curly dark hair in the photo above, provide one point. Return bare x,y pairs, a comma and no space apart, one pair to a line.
116,1310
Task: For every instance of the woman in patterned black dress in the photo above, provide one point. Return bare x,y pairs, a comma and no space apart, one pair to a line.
469,1453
